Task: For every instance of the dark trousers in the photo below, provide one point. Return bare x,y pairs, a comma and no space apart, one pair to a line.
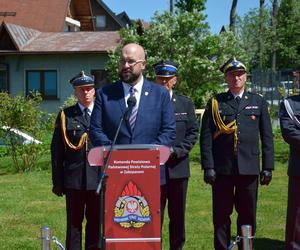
229,191
174,191
80,204
292,232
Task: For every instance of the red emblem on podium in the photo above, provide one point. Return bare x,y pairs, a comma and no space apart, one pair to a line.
131,208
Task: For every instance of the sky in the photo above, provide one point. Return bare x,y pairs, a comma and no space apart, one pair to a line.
217,11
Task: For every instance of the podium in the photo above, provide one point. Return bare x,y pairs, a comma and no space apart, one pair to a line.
131,200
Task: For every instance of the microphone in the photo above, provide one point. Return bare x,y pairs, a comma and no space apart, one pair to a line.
131,102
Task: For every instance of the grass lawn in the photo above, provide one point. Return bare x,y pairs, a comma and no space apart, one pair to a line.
27,203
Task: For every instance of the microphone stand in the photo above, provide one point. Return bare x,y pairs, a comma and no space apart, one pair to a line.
102,186
102,183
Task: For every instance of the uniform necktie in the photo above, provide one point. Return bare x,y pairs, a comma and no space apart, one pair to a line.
238,100
132,117
87,116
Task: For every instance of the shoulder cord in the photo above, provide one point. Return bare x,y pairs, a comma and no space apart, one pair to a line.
83,138
220,125
291,113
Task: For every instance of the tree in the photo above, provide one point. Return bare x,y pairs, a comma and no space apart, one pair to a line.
261,32
184,38
274,33
232,18
190,5
171,6
254,34
288,34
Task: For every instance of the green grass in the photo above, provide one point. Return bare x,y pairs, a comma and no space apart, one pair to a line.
27,203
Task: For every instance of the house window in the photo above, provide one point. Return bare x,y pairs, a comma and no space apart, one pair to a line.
43,81
3,78
100,77
100,21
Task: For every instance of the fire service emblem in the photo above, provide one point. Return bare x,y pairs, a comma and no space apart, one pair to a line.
131,209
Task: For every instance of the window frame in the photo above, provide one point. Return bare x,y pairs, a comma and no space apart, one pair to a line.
4,67
42,83
104,22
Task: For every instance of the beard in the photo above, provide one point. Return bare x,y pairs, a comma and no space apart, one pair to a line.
128,77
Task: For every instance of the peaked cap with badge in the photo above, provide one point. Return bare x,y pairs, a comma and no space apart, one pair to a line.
165,68
233,65
82,80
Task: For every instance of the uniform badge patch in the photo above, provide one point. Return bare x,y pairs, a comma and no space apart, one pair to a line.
131,209
251,107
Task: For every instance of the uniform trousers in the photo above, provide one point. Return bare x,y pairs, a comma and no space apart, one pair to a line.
174,192
292,232
239,191
80,204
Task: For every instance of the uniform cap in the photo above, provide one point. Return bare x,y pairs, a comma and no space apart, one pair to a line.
165,68
233,65
82,79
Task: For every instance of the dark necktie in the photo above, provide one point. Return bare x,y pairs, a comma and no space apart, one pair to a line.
87,116
238,100
133,115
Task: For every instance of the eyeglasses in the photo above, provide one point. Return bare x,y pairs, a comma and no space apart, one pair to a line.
131,63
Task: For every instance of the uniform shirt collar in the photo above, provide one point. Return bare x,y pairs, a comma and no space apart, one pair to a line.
90,108
240,94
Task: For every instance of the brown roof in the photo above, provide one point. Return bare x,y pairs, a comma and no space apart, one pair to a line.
43,15
20,35
49,42
33,41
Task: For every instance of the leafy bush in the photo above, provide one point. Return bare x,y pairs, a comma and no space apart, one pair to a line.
22,113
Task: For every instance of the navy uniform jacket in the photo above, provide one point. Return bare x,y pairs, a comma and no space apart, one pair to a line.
253,123
186,136
155,121
70,168
291,134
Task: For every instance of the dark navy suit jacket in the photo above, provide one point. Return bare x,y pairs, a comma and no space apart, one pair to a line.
155,122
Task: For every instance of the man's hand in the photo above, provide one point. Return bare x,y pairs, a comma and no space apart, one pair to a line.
58,191
209,176
265,177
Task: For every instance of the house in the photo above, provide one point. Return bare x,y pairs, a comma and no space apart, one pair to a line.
41,50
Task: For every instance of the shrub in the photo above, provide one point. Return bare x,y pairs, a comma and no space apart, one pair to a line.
22,113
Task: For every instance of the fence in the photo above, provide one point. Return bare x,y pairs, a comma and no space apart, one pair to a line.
274,86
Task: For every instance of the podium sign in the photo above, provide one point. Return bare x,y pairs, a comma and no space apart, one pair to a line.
132,200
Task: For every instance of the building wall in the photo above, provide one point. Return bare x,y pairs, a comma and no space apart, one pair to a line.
111,24
67,66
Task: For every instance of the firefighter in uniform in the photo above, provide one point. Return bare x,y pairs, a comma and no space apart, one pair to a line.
233,125
71,174
177,168
289,115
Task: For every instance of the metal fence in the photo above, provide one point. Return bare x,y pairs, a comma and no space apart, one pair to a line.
275,86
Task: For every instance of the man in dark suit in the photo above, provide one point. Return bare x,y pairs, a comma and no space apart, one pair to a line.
152,118
177,166
289,115
71,174
232,125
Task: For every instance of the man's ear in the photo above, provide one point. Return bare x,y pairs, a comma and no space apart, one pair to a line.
144,63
